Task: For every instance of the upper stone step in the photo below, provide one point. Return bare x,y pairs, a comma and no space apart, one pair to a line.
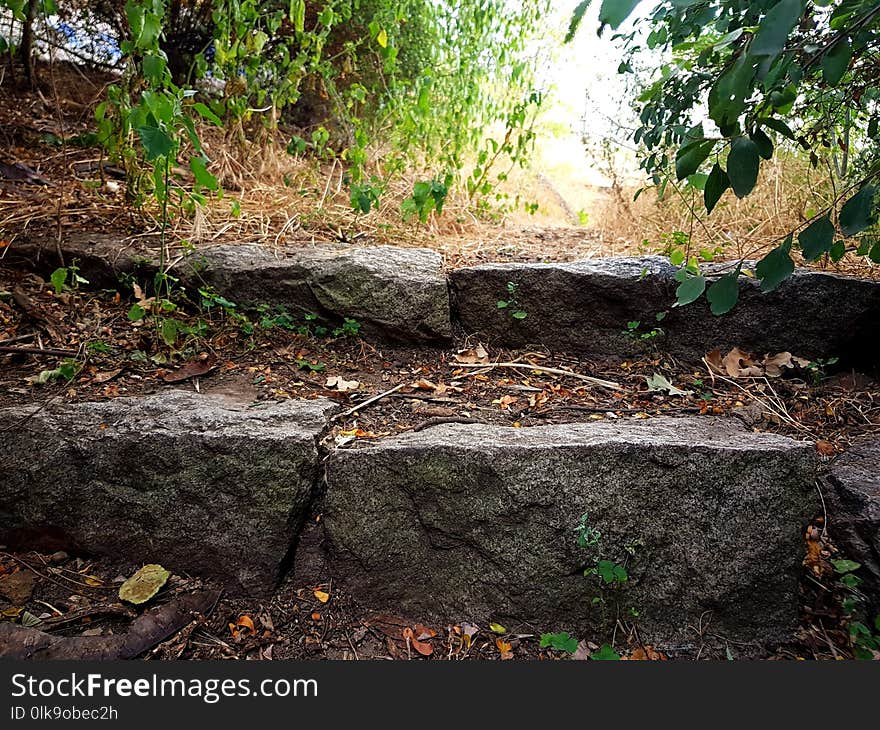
396,294
482,522
584,308
197,483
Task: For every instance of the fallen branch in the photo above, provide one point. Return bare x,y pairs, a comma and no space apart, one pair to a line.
550,371
145,632
367,402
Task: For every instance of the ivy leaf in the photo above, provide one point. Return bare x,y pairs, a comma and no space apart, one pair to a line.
606,653
614,12
763,143
716,184
776,27
742,166
690,290
838,251
775,267
561,642
817,238
157,143
691,156
836,62
858,212
723,294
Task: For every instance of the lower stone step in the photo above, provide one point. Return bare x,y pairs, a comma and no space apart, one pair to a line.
198,483
691,524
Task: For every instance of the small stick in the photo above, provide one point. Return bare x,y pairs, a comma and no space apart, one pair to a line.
368,402
19,338
551,371
37,351
109,610
439,420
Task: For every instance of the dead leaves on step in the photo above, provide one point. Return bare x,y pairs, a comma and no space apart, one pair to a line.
740,364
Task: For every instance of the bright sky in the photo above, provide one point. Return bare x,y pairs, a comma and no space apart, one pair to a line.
585,90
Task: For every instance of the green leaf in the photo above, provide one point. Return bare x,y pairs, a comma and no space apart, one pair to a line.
58,279
614,12
723,294
775,267
156,142
691,156
606,653
611,572
838,251
204,111
817,238
200,171
519,314
690,290
763,143
742,166
154,67
168,331
716,184
845,566
298,14
658,382
775,28
858,212
560,642
576,17
136,313
144,584
836,62
777,125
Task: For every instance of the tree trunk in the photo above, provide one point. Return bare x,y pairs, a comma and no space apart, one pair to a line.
26,49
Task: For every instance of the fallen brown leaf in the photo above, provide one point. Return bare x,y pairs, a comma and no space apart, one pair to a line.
191,369
422,647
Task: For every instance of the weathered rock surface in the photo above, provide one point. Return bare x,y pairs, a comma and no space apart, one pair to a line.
478,522
584,307
197,483
396,294
852,491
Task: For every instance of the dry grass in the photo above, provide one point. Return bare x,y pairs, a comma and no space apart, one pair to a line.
276,199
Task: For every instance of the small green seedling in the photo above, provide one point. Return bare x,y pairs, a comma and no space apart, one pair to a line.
511,304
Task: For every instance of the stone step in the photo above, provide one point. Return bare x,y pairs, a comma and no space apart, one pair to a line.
852,490
201,484
479,522
396,294
583,308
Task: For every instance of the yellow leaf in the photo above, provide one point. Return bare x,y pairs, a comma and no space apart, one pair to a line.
382,38
93,581
322,596
497,629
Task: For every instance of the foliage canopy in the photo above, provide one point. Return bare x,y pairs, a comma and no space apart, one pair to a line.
738,81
